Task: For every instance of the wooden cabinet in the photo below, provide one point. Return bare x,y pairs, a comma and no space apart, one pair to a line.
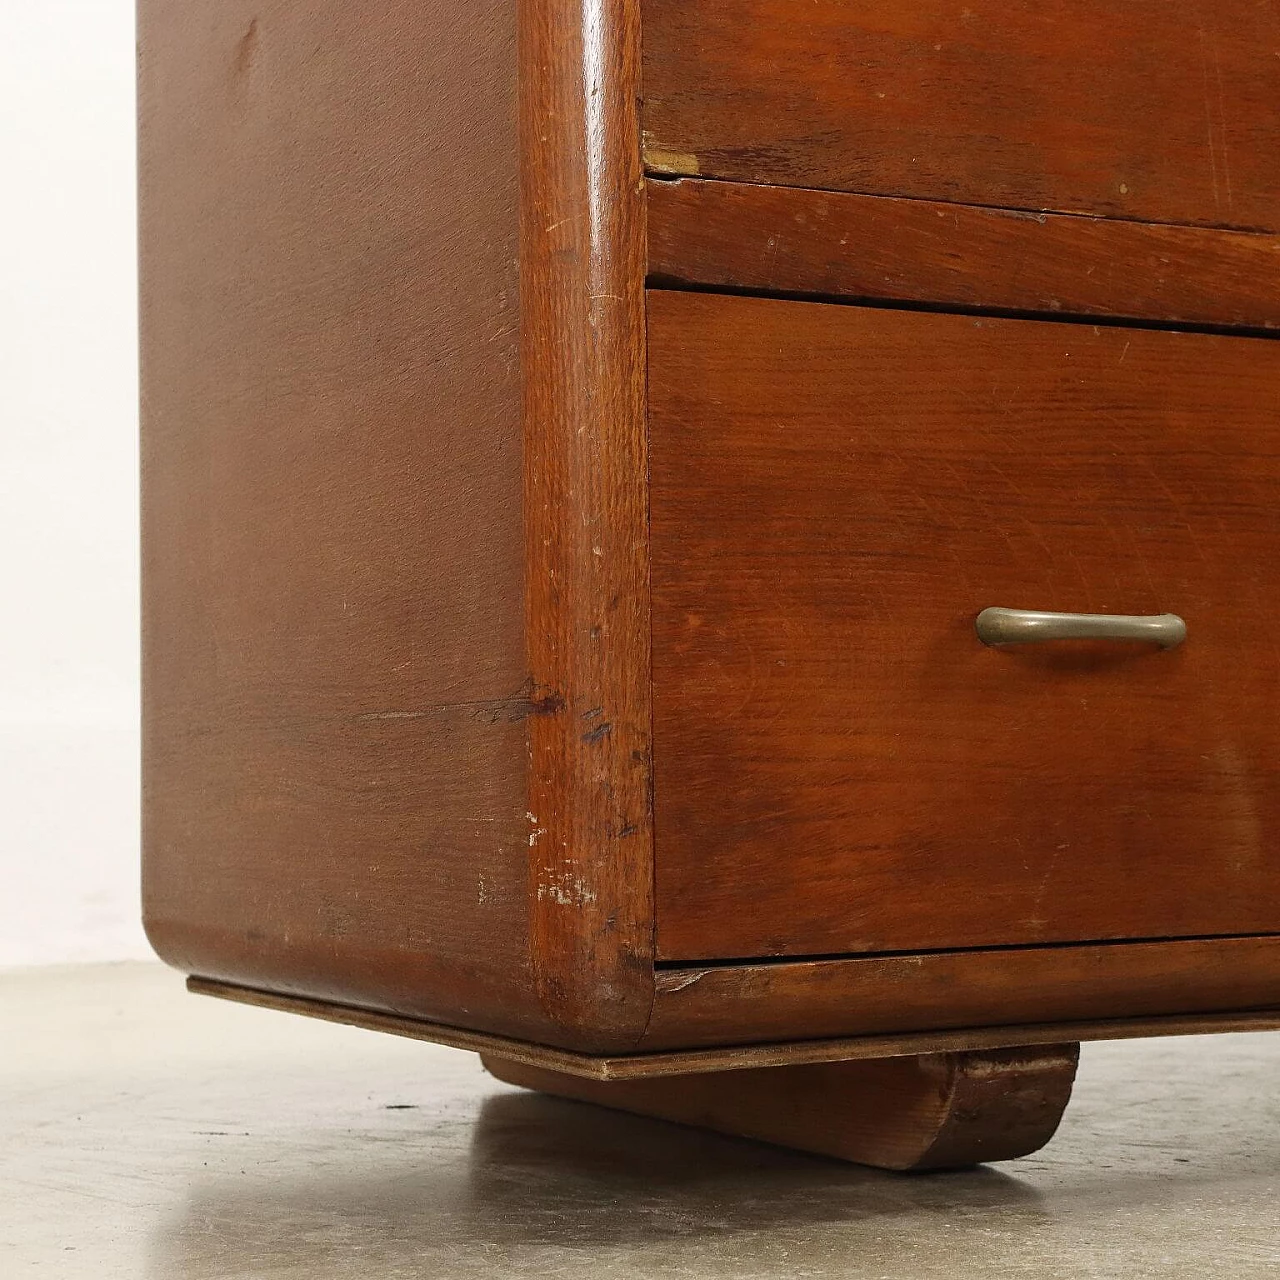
578,442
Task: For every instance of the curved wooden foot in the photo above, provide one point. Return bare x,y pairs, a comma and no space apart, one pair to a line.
937,1111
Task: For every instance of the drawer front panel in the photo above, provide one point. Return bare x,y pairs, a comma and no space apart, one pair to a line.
841,766
1161,110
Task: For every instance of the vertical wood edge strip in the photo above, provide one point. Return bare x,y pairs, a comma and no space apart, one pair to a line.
586,516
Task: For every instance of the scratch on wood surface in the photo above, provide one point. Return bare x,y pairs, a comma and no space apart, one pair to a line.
565,887
1023,215
564,222
682,981
1223,154
661,160
1215,120
514,708
498,709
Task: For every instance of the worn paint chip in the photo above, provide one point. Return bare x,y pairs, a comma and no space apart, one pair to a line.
660,160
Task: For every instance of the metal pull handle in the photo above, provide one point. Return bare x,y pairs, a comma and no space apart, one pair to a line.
1029,626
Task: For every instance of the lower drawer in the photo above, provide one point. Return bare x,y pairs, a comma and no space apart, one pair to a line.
841,765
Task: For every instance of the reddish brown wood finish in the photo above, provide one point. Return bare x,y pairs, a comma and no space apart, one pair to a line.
939,1111
396,723
695,1061
1159,110
841,766
891,995
786,240
586,512
397,706
335,684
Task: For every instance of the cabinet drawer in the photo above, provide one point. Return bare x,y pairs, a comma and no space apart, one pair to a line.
1160,110
841,765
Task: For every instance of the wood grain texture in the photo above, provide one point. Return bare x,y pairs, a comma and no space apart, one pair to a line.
646,1066
336,689
397,623
940,1111
397,670
1156,110
841,766
586,503
787,240
895,995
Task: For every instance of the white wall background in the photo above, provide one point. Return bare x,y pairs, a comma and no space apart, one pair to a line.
68,490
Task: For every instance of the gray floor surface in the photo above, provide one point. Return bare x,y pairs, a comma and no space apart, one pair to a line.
147,1133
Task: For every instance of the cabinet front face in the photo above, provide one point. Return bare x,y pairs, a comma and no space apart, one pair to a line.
841,765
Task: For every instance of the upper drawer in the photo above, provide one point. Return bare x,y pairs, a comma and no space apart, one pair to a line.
840,764
1163,110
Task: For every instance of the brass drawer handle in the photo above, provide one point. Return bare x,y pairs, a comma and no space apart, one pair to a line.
1029,626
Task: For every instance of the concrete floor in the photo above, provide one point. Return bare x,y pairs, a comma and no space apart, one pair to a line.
148,1133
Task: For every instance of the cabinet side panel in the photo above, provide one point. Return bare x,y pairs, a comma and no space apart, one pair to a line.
335,692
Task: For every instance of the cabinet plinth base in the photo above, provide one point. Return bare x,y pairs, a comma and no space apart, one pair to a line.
933,1111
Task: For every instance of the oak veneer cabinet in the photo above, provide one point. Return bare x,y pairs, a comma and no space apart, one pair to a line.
580,440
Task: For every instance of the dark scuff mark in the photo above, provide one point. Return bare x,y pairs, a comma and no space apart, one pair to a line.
546,705
600,732
511,709
246,49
